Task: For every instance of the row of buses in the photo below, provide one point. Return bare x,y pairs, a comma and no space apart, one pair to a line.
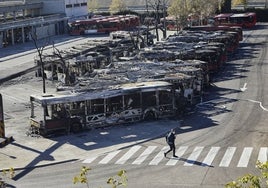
114,87
107,24
243,20
113,92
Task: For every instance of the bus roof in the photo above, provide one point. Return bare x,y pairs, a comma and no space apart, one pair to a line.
224,15
68,96
243,14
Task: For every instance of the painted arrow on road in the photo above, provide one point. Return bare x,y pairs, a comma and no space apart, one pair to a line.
244,88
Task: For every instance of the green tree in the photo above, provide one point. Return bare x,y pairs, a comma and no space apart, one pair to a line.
6,174
250,180
117,6
119,180
93,5
240,2
181,9
159,7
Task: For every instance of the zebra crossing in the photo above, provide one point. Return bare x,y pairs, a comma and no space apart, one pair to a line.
187,156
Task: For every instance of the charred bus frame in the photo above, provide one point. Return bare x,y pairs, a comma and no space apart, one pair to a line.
125,103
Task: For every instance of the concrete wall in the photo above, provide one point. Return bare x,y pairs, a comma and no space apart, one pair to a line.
53,7
79,8
45,31
74,8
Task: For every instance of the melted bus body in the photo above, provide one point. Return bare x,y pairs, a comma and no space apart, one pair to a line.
125,103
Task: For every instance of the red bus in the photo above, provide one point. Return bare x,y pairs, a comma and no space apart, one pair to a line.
244,20
103,24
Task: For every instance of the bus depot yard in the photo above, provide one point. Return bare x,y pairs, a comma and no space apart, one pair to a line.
109,82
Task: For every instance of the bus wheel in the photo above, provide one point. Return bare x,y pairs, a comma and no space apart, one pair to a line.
149,116
76,127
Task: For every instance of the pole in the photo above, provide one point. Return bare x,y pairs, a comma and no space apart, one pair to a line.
164,15
3,140
147,32
43,75
2,125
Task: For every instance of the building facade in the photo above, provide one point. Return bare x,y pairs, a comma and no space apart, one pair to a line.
20,21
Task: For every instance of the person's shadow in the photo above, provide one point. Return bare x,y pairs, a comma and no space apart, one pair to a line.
190,161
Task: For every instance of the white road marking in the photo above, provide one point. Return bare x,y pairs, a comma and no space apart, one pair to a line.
262,107
179,153
127,155
90,160
144,155
156,160
109,157
263,154
193,157
210,156
225,162
244,159
244,88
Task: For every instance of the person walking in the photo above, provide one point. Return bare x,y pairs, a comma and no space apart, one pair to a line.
170,138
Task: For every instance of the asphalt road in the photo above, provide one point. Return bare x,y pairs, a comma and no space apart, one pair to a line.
221,141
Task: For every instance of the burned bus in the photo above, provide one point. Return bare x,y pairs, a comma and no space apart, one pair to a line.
125,103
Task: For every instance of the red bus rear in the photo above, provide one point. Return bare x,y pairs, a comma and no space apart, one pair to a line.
244,20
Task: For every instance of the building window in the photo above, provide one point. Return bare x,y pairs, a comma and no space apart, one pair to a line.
77,5
83,4
69,6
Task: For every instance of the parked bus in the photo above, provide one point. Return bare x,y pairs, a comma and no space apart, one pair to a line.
103,24
74,111
244,20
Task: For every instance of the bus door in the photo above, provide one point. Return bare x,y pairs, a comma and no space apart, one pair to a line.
95,112
132,107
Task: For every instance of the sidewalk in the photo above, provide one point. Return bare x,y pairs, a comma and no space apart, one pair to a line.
29,47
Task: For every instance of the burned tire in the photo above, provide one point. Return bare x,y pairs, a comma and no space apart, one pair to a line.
149,116
76,127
